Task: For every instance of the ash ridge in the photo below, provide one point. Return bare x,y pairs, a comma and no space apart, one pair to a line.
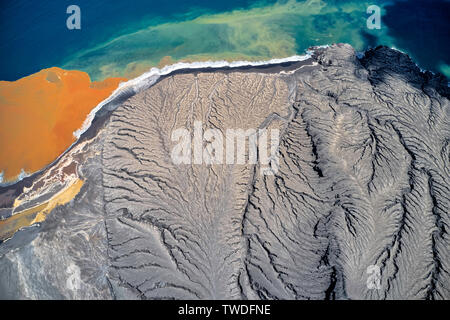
363,180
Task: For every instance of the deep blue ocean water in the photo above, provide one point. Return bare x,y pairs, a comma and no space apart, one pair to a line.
115,34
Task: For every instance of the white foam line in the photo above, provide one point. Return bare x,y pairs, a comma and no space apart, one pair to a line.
149,78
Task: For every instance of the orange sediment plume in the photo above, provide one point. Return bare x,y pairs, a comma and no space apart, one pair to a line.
39,113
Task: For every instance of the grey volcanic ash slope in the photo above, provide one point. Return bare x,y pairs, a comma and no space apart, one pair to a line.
363,181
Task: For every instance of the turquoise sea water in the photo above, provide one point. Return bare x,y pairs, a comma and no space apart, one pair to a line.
126,38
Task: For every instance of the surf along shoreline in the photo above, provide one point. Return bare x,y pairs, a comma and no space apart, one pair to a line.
99,114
